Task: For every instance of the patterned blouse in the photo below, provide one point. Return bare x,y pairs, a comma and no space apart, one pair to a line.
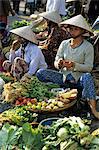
52,43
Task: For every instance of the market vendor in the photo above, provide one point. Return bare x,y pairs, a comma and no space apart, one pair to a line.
74,60
25,57
55,36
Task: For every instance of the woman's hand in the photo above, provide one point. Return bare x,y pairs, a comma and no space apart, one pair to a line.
68,64
60,64
15,45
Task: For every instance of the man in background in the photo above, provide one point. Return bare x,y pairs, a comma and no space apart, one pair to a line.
56,5
5,8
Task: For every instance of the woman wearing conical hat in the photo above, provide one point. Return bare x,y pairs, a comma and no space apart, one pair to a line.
25,57
74,60
55,36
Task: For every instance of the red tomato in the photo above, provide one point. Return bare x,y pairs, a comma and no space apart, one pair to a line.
17,102
20,99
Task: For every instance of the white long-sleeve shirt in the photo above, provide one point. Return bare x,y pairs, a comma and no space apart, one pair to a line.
33,57
56,5
83,57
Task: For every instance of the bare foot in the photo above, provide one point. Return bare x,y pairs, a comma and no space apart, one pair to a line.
96,114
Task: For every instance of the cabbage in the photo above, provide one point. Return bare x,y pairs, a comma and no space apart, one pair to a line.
62,134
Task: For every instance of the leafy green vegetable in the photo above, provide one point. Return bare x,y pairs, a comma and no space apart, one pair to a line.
9,136
38,89
69,134
22,138
32,138
18,24
6,78
62,133
19,115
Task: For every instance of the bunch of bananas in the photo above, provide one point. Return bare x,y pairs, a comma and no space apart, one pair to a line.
68,96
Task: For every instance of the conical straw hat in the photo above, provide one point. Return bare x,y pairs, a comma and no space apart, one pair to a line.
26,33
78,21
52,16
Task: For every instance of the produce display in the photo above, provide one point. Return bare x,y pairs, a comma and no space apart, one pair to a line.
69,134
18,116
6,77
64,134
20,138
37,95
31,88
18,24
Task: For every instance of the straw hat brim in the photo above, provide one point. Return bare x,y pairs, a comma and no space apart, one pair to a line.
52,16
26,33
78,21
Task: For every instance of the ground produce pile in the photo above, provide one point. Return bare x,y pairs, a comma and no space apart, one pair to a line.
18,116
31,88
38,96
6,77
20,138
18,24
64,134
69,134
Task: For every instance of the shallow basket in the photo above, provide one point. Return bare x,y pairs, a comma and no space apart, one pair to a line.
68,105
48,121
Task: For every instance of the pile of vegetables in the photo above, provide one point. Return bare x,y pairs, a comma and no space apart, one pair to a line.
18,116
7,78
69,134
64,134
31,88
20,138
18,24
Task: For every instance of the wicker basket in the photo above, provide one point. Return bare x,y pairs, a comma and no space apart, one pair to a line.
55,110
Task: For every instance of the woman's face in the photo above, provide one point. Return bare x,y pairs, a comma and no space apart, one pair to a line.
22,40
75,31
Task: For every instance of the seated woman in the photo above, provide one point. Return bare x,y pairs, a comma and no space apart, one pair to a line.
25,57
55,36
74,60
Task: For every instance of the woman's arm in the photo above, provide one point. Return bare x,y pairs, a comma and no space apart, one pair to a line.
88,63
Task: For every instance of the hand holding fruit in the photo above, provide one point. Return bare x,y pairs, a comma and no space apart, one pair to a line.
68,64
65,63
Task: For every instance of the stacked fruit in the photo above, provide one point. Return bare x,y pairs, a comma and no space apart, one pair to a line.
60,101
25,101
68,96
